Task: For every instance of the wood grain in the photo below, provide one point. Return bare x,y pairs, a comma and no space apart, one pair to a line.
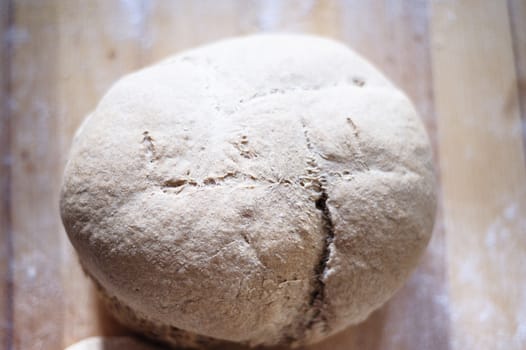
483,173
35,177
6,247
517,13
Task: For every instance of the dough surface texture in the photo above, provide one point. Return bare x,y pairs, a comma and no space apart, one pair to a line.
263,190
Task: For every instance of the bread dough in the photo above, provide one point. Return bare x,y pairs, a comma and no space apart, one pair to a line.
265,189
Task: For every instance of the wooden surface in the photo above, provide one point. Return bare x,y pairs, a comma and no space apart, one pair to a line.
462,62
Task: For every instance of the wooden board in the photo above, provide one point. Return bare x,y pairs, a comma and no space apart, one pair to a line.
483,173
6,292
462,63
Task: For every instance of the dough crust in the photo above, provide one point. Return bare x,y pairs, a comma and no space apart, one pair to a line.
265,189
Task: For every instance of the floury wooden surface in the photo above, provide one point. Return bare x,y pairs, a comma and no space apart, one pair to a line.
462,62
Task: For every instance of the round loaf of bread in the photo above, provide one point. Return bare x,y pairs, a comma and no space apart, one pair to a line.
261,190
